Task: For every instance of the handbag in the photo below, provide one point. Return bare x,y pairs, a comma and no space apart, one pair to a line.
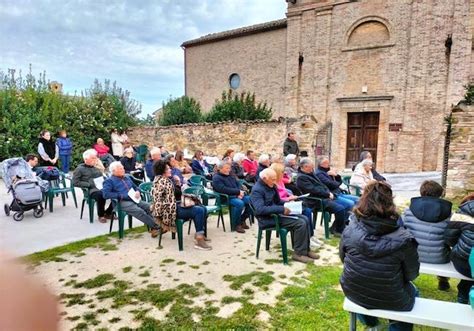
189,200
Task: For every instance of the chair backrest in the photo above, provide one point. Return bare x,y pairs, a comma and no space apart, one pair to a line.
196,190
196,180
146,191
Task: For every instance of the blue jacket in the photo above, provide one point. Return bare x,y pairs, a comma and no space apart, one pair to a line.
331,182
427,220
149,169
266,201
64,146
117,188
226,184
198,169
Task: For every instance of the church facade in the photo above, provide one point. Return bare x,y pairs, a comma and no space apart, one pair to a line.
375,75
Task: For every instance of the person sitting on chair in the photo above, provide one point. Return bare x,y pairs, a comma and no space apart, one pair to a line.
166,210
223,182
307,182
84,176
363,174
250,166
200,166
332,180
155,155
182,163
365,155
130,164
266,201
380,257
103,152
427,219
237,169
263,163
118,187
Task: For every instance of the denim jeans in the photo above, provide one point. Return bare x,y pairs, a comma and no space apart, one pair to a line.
240,210
196,213
372,321
340,213
309,215
65,163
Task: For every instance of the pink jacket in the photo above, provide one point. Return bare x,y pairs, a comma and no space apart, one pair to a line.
282,192
250,167
101,149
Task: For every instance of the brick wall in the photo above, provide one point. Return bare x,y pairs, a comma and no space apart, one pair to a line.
460,178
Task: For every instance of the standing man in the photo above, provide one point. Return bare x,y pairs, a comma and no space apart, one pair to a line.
290,146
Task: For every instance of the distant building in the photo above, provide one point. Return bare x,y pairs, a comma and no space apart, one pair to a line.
376,75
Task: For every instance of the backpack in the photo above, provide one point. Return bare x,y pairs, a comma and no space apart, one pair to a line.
49,173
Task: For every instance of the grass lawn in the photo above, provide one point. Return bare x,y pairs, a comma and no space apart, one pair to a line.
311,298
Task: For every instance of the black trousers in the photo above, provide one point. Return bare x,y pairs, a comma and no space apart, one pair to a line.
101,211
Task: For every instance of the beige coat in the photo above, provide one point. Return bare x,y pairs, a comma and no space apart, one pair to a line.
117,146
360,178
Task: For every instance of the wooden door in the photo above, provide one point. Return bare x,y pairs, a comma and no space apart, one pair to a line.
362,135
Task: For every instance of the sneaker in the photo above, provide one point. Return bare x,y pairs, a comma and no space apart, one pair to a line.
207,239
245,226
316,241
202,245
103,219
313,255
154,233
239,229
314,245
301,258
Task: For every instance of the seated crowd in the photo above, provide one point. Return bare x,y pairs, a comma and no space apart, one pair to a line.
381,250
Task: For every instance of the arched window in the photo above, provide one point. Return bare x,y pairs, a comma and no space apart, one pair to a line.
369,32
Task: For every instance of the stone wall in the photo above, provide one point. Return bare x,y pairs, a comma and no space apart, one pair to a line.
214,139
460,178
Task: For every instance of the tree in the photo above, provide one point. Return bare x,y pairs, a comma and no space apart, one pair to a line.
180,111
243,106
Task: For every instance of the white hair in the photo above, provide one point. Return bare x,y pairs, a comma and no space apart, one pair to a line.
367,162
128,149
305,160
221,164
262,158
89,153
266,172
239,157
155,150
114,165
321,159
290,157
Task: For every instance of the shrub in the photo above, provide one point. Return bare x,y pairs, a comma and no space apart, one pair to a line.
180,111
27,106
469,96
234,106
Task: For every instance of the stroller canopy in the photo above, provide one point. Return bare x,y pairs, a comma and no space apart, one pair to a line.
14,168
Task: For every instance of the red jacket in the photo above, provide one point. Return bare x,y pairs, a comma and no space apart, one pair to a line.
250,167
102,150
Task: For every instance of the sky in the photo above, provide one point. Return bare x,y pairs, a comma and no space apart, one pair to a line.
135,43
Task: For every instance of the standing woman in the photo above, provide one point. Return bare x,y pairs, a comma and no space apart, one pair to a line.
166,210
47,149
65,150
117,146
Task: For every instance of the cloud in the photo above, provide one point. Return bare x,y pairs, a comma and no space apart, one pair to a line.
136,43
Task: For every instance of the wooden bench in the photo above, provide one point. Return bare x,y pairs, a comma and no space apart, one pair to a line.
444,270
440,314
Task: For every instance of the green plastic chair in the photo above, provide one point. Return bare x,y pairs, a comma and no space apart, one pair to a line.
353,189
281,232
90,203
121,218
142,152
145,189
200,192
325,215
197,180
59,187
179,230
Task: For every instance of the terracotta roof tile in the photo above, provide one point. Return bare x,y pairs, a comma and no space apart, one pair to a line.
244,31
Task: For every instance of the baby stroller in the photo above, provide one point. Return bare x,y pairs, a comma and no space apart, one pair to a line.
20,180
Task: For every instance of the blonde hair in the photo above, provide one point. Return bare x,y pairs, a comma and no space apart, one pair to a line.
279,169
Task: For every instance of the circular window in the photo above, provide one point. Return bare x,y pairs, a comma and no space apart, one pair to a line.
234,81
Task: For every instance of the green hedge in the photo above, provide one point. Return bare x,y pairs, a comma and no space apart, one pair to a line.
27,106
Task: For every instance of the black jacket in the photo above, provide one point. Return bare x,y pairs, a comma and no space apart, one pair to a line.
261,167
331,182
380,260
266,201
290,147
309,183
460,234
427,219
237,170
225,184
129,163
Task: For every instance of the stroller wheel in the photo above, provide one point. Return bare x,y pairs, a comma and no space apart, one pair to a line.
38,212
18,216
6,207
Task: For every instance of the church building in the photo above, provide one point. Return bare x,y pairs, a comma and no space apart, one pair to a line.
376,75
